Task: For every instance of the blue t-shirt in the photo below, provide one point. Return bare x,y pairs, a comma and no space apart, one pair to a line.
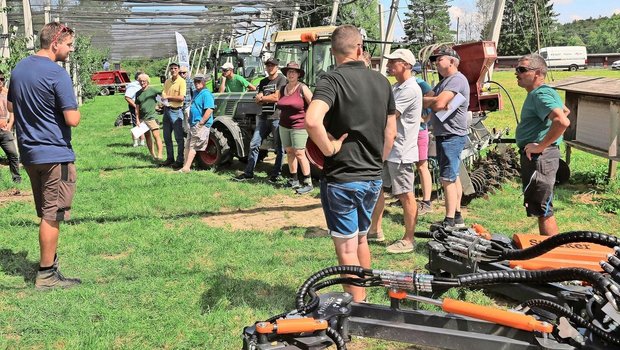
201,102
425,87
535,124
40,91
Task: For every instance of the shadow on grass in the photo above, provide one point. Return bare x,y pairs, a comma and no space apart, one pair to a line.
138,155
121,167
225,290
120,144
17,264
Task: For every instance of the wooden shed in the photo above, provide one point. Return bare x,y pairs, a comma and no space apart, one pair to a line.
595,117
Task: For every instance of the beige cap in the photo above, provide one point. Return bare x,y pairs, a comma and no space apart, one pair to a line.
228,65
402,54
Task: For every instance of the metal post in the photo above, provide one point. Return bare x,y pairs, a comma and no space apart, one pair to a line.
209,51
536,25
498,14
202,49
332,21
191,65
48,11
232,39
295,16
4,22
389,35
457,29
28,32
381,23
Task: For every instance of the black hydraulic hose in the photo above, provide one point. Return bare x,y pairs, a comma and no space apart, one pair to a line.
312,280
514,110
427,234
558,240
559,310
336,338
597,280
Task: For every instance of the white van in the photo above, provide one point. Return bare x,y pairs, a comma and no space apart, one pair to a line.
565,57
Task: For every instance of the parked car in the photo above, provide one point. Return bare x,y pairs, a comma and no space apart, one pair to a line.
615,65
111,81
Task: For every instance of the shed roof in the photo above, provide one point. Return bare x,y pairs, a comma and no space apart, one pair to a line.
593,86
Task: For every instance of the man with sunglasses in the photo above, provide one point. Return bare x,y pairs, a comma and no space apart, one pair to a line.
174,93
232,82
544,118
7,140
451,133
45,108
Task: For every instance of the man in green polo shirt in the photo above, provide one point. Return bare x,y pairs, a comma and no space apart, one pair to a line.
232,82
543,121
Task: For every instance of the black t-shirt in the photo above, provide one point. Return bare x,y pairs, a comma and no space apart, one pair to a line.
268,87
359,101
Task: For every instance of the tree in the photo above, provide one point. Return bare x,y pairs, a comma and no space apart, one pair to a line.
518,35
427,22
485,9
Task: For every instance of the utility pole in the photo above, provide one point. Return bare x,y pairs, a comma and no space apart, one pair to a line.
28,32
4,22
295,16
332,21
498,14
389,35
536,25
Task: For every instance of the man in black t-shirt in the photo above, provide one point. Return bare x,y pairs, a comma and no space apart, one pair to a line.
351,120
268,122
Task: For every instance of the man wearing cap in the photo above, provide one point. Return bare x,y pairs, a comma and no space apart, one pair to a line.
267,122
451,134
351,120
200,120
173,97
398,175
544,118
232,82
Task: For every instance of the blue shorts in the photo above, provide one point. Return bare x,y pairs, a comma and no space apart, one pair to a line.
348,206
449,150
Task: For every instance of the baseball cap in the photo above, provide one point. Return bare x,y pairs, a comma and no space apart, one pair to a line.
173,64
443,51
200,77
402,54
228,65
272,60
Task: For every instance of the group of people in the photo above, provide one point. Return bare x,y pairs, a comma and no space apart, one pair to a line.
367,130
188,110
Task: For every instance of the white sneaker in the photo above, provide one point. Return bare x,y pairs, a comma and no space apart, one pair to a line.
135,143
142,143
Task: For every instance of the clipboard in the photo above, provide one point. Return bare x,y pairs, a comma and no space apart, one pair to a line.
453,105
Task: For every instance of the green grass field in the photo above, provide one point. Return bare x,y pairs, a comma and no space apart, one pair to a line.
156,275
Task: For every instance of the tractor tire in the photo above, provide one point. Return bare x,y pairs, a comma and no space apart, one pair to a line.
217,152
104,92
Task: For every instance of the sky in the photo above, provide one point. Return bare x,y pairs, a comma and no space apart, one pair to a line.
568,10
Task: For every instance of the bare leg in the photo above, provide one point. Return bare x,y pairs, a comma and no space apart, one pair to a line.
459,193
149,143
377,214
291,160
451,194
410,213
548,226
302,160
160,146
48,241
352,251
425,180
189,159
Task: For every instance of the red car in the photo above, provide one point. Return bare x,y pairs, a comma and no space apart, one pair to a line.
111,81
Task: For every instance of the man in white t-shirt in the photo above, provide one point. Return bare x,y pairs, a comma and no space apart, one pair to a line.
130,96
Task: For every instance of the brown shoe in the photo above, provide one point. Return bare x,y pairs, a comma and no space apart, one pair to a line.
375,237
52,278
401,246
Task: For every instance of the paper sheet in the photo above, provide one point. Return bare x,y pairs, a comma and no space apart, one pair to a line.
163,101
139,130
454,103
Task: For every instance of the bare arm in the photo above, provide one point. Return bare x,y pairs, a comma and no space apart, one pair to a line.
72,117
271,98
389,134
439,102
4,119
130,101
137,114
205,117
222,85
316,130
559,123
251,87
307,94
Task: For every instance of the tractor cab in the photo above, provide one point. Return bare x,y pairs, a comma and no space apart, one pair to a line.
246,65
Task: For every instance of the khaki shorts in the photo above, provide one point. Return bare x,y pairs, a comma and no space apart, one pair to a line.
53,188
398,177
295,138
198,138
152,124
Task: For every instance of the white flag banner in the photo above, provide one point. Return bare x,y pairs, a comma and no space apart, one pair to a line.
182,51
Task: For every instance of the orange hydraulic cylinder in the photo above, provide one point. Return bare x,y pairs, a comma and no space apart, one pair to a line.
294,325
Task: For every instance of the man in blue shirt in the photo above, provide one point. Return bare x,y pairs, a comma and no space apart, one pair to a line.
200,120
45,108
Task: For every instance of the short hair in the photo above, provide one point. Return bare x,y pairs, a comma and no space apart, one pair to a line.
137,75
455,61
144,76
54,32
536,61
345,39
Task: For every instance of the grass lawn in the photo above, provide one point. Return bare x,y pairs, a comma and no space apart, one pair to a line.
157,274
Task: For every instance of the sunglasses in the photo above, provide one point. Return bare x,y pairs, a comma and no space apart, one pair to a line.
182,72
63,29
523,69
1,78
225,70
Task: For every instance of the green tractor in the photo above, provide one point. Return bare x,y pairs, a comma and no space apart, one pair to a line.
235,113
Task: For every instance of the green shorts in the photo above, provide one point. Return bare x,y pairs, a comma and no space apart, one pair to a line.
295,138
